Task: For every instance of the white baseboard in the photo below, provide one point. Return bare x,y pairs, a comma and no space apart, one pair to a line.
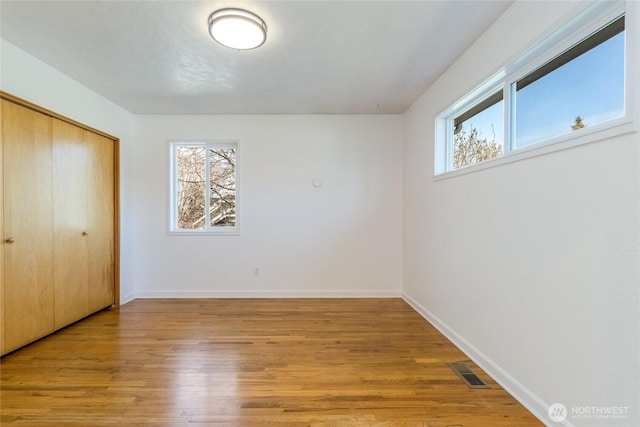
522,394
268,294
126,298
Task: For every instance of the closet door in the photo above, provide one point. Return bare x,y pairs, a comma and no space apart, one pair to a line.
70,201
28,225
101,220
2,351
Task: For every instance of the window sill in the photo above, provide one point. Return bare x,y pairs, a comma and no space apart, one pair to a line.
234,232
618,127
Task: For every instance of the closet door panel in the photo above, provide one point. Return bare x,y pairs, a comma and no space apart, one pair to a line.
28,225
2,351
101,246
71,271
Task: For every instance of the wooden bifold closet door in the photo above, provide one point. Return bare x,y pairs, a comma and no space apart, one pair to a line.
83,222
58,225
101,219
28,225
70,221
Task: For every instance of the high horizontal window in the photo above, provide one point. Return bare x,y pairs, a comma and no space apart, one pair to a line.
474,132
204,187
583,86
548,100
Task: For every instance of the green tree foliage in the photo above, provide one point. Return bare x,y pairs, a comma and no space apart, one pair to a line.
470,148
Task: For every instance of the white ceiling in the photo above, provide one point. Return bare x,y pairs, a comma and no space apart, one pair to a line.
342,57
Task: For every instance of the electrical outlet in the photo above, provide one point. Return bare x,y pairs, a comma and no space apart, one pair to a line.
256,271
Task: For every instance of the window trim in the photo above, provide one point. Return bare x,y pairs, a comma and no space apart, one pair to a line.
612,28
583,23
173,177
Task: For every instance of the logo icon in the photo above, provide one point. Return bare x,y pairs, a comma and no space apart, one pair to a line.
557,412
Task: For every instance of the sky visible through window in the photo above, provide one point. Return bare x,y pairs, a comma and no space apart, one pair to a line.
590,86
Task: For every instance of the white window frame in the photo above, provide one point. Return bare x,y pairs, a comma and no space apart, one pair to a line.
585,22
173,185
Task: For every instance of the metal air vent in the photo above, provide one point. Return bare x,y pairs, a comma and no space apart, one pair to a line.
467,375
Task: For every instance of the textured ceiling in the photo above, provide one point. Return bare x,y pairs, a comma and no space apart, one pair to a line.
342,57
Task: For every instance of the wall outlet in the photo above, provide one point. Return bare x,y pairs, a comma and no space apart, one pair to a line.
256,271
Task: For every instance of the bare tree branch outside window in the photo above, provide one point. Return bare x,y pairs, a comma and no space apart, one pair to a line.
470,148
578,124
222,184
192,186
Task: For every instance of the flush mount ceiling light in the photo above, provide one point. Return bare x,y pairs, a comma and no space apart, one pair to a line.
237,29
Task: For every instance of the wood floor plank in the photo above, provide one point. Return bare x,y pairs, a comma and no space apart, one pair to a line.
250,362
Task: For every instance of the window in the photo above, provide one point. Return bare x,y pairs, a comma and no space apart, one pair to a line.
584,86
204,187
474,132
550,99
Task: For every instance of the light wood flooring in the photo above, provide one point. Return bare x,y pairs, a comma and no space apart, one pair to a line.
250,362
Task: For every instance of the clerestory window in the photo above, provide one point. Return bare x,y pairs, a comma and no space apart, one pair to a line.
551,99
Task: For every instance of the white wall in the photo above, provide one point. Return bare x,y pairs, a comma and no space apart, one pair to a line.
530,267
24,76
342,239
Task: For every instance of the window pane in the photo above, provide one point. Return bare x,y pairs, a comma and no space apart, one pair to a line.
582,87
190,162
222,173
477,134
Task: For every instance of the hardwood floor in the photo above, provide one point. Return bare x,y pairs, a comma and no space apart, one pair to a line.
250,362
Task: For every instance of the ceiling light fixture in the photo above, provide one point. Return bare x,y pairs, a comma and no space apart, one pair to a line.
237,29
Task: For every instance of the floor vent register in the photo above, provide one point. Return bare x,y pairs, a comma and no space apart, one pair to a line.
467,375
